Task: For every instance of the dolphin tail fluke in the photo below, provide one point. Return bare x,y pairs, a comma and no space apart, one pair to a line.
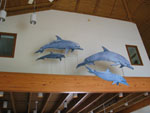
89,69
81,64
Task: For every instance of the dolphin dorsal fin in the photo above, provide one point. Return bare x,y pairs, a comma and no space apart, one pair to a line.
58,38
105,49
107,70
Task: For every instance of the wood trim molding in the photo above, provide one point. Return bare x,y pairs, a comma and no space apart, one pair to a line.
27,82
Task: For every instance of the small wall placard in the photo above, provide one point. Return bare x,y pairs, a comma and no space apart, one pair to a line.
134,55
7,44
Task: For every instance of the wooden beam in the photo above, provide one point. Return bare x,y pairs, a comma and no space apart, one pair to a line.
86,103
120,102
98,108
60,102
137,106
47,98
138,7
78,103
73,103
127,10
99,102
130,103
90,102
27,82
96,6
28,7
29,10
77,5
13,102
114,4
29,102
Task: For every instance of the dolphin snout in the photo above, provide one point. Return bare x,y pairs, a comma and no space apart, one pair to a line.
129,66
80,48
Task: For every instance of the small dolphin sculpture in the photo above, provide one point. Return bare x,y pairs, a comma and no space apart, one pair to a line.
61,44
52,55
107,75
107,55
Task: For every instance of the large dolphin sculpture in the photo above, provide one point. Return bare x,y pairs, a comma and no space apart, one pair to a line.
107,75
61,44
52,55
107,55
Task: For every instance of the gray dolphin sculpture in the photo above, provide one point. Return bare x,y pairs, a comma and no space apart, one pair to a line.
52,55
107,55
109,76
61,44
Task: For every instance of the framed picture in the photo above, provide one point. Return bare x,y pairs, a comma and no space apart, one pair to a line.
134,55
7,44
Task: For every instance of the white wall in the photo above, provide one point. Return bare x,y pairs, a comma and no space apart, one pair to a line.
91,35
143,110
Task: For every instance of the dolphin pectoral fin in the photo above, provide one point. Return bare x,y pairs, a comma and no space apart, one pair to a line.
60,59
117,83
67,50
114,82
121,66
72,50
81,64
115,64
91,63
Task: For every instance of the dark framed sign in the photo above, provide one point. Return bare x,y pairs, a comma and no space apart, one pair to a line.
7,44
134,55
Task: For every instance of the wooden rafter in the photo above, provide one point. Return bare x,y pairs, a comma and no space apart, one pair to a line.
120,102
137,106
96,6
61,101
127,10
98,108
78,103
131,102
138,7
98,103
46,99
11,9
73,103
114,4
29,102
13,102
84,104
77,5
91,102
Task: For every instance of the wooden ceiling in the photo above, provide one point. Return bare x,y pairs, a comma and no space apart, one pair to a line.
84,103
137,11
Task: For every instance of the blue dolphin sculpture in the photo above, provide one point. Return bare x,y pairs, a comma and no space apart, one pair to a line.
61,44
107,75
52,55
107,55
